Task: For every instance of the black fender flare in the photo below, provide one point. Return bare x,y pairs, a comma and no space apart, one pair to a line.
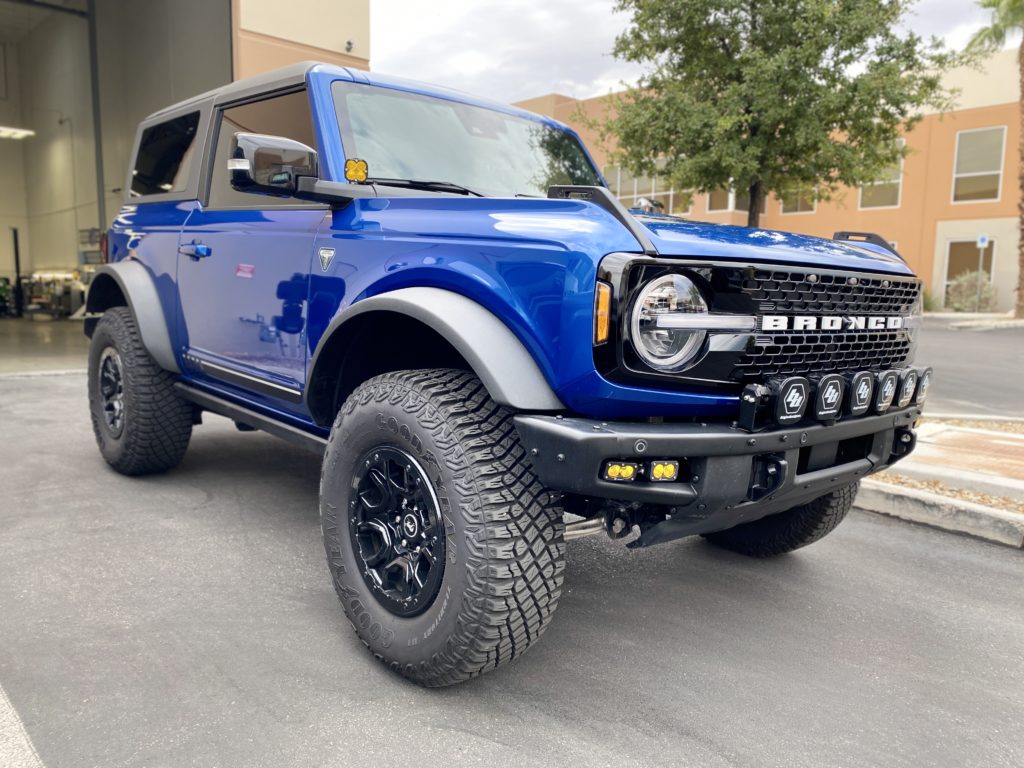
504,365
139,290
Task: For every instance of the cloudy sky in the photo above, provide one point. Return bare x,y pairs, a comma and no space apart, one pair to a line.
514,49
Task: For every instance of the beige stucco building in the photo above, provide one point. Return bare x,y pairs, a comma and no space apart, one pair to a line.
958,181
267,34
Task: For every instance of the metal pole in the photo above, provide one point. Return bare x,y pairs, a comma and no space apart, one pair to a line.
981,264
97,122
19,299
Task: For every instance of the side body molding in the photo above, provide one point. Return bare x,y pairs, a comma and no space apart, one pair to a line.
504,365
139,291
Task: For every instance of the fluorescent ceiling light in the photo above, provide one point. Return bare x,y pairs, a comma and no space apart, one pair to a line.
15,133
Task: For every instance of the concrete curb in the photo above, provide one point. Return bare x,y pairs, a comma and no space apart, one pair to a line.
949,315
986,325
41,374
992,485
942,512
971,417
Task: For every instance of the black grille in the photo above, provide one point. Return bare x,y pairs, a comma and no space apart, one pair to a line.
810,352
829,293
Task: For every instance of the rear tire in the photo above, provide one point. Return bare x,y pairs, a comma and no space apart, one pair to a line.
141,424
474,578
789,530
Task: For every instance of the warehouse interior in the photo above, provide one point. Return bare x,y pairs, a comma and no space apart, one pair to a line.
72,71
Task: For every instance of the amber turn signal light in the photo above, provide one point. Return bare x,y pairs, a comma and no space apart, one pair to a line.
602,312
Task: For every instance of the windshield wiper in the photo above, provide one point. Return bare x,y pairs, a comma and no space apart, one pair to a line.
430,186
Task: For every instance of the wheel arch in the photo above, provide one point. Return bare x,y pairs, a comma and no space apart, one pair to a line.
423,328
129,284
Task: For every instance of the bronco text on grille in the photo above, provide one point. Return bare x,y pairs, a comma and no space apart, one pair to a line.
835,322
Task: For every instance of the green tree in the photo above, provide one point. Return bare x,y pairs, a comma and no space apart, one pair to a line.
1008,19
772,95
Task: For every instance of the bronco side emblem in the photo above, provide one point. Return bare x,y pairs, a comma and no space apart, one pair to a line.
326,255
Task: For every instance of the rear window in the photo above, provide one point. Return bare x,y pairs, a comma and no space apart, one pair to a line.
164,156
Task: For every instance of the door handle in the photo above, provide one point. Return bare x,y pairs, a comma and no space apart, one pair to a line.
195,251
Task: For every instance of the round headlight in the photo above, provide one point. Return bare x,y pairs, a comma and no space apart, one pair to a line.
659,344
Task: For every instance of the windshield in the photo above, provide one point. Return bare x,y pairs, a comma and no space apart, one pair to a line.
405,135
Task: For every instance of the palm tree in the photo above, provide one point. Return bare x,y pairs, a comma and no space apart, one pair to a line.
1008,19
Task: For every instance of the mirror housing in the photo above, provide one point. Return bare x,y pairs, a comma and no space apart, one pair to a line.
270,165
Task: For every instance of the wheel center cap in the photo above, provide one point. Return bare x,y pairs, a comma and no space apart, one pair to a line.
410,525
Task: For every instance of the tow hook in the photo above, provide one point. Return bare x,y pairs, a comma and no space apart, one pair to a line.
904,442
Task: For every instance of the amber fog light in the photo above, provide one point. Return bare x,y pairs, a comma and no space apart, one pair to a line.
620,471
663,471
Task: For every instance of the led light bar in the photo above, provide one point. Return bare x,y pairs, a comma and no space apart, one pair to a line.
887,382
862,390
907,388
924,380
791,396
828,403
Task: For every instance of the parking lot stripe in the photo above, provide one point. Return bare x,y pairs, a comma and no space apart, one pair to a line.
16,750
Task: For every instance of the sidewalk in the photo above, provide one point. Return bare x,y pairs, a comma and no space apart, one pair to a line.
963,476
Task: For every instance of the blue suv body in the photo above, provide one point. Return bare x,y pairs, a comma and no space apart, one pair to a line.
318,252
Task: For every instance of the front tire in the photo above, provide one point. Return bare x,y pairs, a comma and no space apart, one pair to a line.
141,424
445,550
789,530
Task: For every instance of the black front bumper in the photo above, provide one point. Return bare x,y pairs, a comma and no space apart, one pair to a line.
732,476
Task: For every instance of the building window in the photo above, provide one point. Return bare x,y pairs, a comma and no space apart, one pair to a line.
718,200
884,193
963,257
729,200
630,190
741,202
798,200
978,166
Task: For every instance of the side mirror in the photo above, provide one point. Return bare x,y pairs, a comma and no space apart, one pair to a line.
269,165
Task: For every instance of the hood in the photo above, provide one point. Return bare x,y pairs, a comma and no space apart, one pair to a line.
673,236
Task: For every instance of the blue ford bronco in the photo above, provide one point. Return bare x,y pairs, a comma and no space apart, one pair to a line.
440,296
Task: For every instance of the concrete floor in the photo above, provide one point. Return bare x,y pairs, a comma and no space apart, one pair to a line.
42,345
188,619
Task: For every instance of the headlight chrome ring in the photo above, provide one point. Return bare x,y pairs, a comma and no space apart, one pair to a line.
662,306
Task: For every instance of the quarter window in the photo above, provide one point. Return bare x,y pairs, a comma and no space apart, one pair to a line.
977,172
164,157
287,116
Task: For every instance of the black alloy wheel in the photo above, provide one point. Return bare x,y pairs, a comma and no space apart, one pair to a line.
111,391
397,532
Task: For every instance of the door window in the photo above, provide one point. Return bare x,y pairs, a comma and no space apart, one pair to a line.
288,116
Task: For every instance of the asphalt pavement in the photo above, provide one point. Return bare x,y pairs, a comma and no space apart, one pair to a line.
188,619
976,371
